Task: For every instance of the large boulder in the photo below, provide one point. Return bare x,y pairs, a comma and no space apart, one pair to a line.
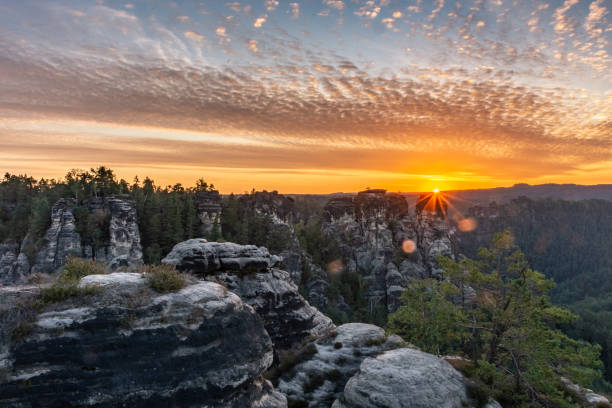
404,378
202,257
318,380
129,346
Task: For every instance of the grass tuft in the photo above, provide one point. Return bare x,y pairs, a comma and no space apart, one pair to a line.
164,278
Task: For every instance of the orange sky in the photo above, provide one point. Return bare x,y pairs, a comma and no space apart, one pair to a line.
310,97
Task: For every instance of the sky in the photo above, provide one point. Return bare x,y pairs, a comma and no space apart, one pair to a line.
310,96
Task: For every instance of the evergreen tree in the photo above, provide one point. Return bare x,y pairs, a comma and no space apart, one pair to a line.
508,328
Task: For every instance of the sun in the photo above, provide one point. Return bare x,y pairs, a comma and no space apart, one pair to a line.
436,190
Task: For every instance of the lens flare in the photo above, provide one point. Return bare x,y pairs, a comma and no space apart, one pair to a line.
408,246
467,224
335,267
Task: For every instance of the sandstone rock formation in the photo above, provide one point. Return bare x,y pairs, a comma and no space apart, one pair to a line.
247,270
319,380
585,396
128,346
14,264
404,378
387,243
208,209
202,257
60,240
124,249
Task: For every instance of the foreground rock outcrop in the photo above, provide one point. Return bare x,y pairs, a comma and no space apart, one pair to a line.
249,271
128,346
405,378
319,379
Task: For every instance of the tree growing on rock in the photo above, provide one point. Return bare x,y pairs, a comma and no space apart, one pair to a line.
507,329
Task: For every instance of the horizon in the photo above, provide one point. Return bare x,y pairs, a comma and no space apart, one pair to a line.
222,191
310,97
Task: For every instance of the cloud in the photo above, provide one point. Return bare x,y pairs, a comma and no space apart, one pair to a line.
294,9
194,36
369,10
596,15
337,4
562,23
501,101
271,5
259,21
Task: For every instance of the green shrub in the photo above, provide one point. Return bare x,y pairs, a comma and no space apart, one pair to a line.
164,278
76,268
63,291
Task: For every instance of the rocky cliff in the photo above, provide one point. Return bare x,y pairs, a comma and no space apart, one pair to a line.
386,242
128,346
122,249
61,238
251,273
14,263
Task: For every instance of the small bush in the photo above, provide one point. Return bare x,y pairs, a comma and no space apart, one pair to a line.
164,278
62,291
76,268
375,341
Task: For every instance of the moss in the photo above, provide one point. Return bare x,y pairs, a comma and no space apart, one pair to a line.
164,278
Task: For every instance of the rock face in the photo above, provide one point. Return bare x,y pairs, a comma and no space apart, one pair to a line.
202,257
289,319
248,271
61,239
386,243
280,209
404,378
14,264
127,346
584,396
319,380
208,208
123,248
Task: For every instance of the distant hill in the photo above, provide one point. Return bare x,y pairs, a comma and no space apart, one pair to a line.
463,199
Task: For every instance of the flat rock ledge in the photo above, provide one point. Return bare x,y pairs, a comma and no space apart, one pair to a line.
202,257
